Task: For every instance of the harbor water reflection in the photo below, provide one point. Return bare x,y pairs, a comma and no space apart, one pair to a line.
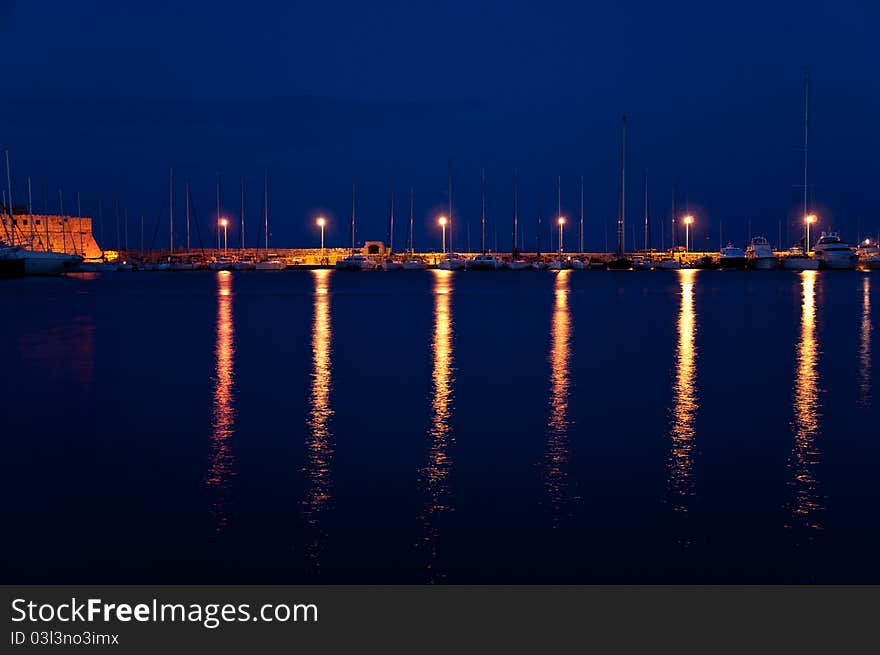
221,471
684,401
806,505
435,475
319,445
865,345
557,454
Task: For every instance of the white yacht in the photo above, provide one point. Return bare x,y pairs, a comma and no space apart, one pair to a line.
271,264
669,264
759,255
452,261
516,264
391,265
832,252
579,264
484,263
23,261
869,255
355,263
539,265
732,257
414,264
798,260
640,263
219,264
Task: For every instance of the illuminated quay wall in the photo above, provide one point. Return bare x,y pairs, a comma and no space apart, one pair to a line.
314,256
68,234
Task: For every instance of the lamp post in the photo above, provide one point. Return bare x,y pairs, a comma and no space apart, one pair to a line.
321,223
224,223
809,219
561,222
687,232
443,221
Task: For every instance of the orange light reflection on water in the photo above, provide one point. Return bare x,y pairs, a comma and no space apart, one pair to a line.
223,409
685,404
319,445
557,455
805,454
435,475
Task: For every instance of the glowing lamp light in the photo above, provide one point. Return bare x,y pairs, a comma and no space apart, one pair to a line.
688,219
224,222
561,220
810,218
443,220
321,221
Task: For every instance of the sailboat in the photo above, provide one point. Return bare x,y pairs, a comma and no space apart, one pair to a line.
354,262
390,264
484,261
620,262
22,258
516,263
412,262
268,262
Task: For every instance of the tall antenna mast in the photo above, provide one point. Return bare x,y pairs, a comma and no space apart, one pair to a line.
483,213
621,243
218,212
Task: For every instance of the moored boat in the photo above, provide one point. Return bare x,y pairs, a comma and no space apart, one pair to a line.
834,253
760,255
798,260
732,257
452,261
484,263
869,255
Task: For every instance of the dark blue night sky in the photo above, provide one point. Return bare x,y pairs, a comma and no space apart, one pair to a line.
102,97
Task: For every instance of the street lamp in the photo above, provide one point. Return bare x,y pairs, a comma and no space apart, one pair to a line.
224,223
321,223
443,221
687,232
809,219
561,222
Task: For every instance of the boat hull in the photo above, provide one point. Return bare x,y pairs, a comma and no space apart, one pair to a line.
414,265
270,266
800,264
516,265
762,263
734,263
392,266
839,263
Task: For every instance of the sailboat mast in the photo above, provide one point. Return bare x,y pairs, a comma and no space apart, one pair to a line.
391,226
449,226
79,222
171,210
218,213
647,218
515,210
31,212
412,249
581,223
187,217
242,215
9,197
483,213
621,244
806,144
352,216
266,208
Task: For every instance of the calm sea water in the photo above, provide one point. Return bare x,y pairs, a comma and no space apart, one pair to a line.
692,426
